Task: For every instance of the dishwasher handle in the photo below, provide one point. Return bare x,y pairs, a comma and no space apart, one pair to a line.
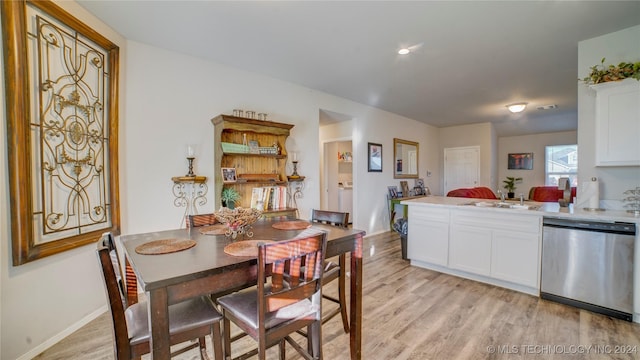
621,228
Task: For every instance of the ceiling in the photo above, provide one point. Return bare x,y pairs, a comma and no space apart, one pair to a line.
469,58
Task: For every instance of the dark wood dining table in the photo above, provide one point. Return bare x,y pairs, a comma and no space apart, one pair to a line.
206,269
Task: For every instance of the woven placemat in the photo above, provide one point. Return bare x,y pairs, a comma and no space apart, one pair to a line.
292,225
245,247
165,246
217,229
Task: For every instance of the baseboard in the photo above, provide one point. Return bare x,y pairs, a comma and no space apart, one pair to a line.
63,334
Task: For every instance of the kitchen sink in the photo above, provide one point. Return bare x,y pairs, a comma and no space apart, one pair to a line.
503,205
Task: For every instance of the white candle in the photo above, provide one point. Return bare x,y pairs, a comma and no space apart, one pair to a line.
190,151
295,156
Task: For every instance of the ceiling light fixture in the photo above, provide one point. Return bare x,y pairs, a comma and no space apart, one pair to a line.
547,107
404,51
517,107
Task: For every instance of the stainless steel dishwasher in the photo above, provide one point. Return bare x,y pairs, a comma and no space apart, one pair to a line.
589,265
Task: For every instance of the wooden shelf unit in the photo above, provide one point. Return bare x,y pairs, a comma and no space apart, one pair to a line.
233,129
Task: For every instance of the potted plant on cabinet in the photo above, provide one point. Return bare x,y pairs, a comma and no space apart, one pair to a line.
601,73
510,185
229,197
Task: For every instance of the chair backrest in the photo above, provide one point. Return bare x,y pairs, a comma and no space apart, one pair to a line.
201,220
295,268
115,296
334,218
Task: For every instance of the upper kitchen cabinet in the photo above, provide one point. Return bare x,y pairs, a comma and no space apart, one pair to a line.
618,123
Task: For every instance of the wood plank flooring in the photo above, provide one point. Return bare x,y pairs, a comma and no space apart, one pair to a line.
413,313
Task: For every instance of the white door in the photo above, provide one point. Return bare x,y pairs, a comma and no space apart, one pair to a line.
461,168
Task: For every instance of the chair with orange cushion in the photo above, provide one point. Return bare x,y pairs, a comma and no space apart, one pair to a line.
479,192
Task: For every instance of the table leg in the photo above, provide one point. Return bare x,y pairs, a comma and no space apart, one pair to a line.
355,336
158,307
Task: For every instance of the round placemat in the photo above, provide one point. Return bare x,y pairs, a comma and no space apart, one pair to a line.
292,225
217,229
245,247
165,246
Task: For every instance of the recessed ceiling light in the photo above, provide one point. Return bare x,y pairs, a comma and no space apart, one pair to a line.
517,107
404,51
547,107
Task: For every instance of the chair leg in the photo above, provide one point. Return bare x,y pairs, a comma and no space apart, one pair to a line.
282,345
342,279
262,350
218,353
227,338
202,346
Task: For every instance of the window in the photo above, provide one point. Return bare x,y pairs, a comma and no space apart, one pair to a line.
561,161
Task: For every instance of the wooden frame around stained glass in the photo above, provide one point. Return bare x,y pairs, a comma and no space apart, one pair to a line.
62,130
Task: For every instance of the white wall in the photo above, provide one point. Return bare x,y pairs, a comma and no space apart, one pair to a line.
167,101
482,135
616,47
529,144
45,300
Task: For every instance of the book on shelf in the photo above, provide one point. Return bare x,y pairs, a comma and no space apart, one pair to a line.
269,197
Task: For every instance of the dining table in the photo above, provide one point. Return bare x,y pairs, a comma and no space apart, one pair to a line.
205,268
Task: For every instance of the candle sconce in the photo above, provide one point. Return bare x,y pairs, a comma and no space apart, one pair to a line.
294,161
190,173
190,158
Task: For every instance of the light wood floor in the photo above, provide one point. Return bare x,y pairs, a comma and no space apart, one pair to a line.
413,313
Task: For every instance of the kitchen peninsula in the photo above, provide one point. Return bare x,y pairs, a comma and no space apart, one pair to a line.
498,243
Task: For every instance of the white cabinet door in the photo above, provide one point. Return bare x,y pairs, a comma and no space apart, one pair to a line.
515,258
618,123
428,235
470,249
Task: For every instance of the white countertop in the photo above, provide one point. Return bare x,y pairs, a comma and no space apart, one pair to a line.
552,209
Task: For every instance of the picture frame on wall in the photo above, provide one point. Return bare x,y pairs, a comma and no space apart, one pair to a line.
229,175
520,161
374,157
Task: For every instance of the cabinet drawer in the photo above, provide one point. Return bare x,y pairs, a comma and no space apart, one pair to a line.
431,213
500,219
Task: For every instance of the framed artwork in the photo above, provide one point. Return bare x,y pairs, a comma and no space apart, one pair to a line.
405,188
374,157
61,96
229,175
520,161
393,191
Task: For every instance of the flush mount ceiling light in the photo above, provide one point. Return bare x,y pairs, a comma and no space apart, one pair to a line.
517,107
404,51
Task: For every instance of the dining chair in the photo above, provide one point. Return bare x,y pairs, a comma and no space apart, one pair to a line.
201,220
287,297
188,320
126,278
333,271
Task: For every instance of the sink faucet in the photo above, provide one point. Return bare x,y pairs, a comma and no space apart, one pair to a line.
501,195
521,199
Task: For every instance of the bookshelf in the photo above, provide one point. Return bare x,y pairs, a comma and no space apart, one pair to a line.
256,150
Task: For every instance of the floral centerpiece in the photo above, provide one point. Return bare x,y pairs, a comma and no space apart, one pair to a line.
238,221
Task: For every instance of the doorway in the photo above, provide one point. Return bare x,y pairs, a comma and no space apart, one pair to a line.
337,194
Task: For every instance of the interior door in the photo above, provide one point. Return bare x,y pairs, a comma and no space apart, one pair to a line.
461,168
